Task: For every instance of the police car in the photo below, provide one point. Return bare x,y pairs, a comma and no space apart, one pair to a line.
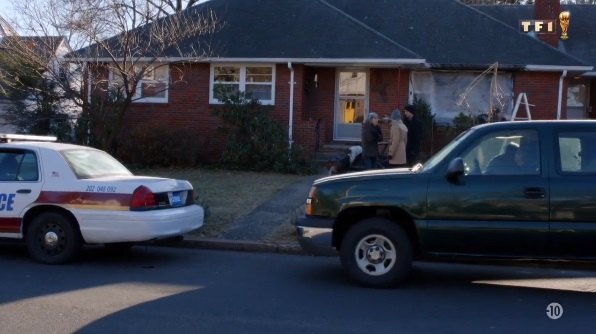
58,196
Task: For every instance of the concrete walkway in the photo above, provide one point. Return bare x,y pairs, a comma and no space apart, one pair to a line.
249,232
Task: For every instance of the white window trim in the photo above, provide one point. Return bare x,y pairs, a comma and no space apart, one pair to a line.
137,97
242,83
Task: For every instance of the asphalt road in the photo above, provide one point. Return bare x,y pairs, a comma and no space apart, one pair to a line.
167,290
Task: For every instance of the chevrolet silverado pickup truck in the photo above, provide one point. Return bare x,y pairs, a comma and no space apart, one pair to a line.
519,189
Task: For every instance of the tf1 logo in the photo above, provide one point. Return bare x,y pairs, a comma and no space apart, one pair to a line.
547,26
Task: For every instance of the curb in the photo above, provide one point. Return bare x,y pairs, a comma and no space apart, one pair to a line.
234,245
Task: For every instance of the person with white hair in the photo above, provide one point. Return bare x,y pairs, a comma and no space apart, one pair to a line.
371,136
398,137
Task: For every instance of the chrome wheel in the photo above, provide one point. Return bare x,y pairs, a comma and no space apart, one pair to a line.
375,255
376,252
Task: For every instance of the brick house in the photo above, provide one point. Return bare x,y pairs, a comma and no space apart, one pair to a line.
322,65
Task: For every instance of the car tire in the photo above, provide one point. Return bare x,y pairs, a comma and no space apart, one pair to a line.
376,252
53,238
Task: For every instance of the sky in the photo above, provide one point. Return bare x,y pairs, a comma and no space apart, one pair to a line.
4,6
6,9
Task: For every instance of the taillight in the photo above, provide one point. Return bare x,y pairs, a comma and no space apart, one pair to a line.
311,195
143,199
190,198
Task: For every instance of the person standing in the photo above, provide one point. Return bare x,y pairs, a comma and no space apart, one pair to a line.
414,135
397,142
371,136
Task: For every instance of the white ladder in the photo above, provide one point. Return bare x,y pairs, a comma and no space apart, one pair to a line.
518,101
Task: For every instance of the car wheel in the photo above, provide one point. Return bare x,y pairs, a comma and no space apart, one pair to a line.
376,253
53,238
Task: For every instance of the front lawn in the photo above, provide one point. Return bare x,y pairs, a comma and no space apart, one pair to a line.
226,195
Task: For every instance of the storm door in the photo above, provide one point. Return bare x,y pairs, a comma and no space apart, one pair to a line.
351,105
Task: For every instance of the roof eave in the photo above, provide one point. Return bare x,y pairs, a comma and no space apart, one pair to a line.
591,74
558,68
474,66
397,62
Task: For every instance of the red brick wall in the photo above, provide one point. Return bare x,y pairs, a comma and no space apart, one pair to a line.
319,101
542,89
548,10
388,90
188,108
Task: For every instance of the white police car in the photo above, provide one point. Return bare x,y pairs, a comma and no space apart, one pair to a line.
58,196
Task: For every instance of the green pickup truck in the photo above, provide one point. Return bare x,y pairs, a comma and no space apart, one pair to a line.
523,189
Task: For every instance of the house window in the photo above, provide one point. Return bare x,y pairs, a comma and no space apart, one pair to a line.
254,80
577,153
153,86
577,99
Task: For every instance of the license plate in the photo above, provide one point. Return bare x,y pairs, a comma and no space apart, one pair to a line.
175,198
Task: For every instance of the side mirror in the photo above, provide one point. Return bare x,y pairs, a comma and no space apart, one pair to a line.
456,169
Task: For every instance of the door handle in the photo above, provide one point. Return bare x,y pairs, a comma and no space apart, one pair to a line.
24,191
534,192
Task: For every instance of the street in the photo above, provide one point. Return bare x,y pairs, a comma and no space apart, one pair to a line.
168,290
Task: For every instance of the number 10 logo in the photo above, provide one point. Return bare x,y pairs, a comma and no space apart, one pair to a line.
554,311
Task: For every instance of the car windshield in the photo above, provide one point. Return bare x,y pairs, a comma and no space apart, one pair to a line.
89,164
439,156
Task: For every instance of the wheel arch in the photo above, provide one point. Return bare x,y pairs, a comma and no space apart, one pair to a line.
40,209
349,217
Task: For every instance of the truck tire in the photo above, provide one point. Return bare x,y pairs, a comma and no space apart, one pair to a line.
53,238
376,252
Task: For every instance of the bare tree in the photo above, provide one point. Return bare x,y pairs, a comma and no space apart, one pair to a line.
117,43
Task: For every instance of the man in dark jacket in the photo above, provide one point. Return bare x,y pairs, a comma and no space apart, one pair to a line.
414,135
371,136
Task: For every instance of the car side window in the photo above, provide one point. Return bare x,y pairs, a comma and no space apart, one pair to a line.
28,170
577,154
18,166
504,153
9,165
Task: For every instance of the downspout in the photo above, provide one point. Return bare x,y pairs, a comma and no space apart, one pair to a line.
560,102
398,83
291,121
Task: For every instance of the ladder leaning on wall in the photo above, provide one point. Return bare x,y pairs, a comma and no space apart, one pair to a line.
518,101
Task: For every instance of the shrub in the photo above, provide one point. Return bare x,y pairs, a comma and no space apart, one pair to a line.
256,141
424,114
155,144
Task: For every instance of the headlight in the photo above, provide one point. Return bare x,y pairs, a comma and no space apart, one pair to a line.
311,194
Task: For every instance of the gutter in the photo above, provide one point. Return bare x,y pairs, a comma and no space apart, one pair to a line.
291,121
306,61
557,68
560,102
589,74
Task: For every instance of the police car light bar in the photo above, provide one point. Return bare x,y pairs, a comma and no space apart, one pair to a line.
7,138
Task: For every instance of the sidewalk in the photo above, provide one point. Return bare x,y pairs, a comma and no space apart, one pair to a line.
249,232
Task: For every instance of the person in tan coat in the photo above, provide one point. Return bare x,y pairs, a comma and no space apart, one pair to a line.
398,140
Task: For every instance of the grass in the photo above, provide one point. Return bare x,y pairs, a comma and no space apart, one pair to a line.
227,195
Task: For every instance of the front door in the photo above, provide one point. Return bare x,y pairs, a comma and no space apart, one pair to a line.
351,104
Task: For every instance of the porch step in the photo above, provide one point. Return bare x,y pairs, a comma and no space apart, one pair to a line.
331,151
